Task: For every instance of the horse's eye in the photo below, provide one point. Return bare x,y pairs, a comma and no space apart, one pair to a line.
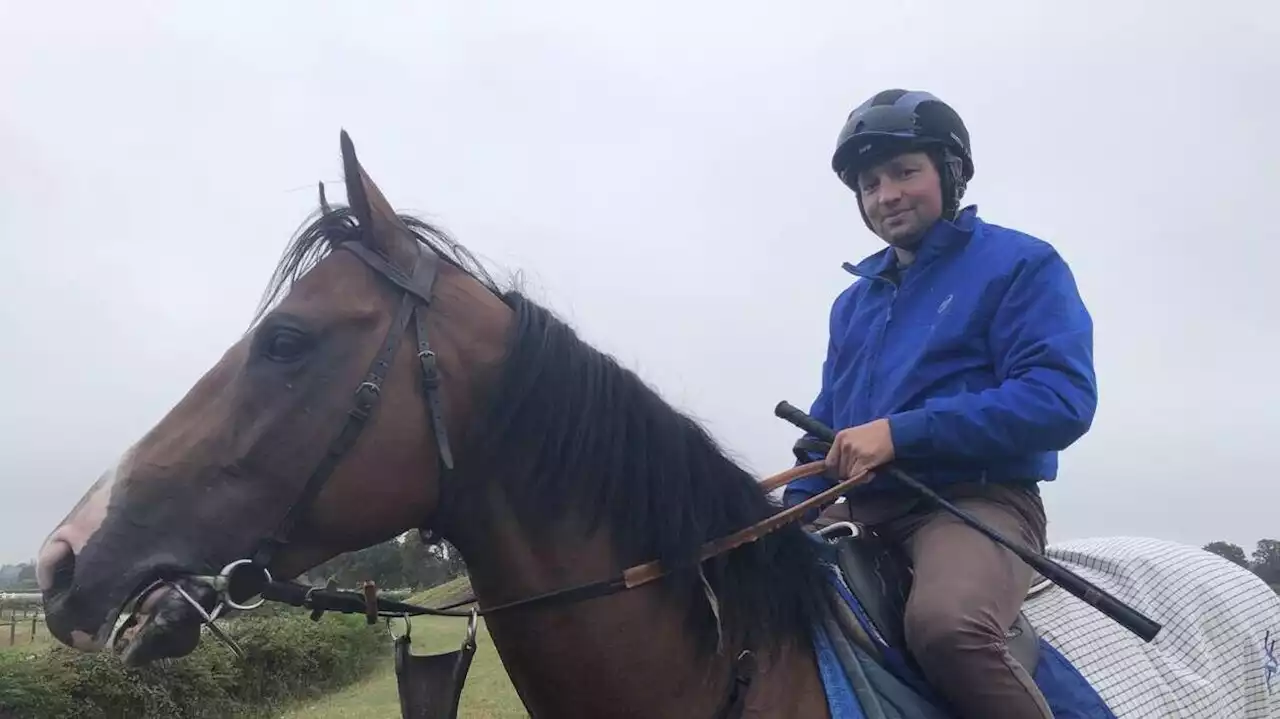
285,344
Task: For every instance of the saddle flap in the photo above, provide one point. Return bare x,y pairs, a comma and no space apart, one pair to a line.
1024,643
879,575
430,686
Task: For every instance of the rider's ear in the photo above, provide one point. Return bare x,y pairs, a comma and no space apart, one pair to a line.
385,232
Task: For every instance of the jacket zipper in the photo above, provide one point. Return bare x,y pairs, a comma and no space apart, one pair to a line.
873,361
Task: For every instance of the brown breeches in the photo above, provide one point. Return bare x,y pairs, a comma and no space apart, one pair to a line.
967,591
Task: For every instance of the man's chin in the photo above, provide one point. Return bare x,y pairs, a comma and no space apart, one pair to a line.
905,238
903,233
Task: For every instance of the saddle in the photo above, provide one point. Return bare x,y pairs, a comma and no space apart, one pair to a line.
879,575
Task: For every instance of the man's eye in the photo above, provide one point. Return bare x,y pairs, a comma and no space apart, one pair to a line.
286,344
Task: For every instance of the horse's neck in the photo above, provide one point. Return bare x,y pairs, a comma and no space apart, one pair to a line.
629,654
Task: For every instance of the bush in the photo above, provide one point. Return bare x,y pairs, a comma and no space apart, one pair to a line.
287,657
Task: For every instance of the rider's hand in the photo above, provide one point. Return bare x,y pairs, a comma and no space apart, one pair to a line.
860,449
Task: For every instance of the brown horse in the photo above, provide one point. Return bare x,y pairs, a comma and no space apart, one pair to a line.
565,468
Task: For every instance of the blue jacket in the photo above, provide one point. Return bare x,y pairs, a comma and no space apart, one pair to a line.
980,356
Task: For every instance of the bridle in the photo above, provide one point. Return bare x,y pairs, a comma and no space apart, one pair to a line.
416,297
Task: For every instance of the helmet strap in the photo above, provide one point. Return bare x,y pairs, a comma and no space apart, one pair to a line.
951,171
863,211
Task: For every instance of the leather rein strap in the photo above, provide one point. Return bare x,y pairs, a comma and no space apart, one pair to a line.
341,600
642,574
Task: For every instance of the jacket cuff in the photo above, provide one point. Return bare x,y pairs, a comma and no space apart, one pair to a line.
910,433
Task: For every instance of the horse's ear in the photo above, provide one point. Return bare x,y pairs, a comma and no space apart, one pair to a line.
384,230
324,200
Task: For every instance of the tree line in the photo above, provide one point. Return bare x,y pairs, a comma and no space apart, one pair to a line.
19,577
1264,561
403,562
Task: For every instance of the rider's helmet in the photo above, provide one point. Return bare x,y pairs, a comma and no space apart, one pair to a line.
897,121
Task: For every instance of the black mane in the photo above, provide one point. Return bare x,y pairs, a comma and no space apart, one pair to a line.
589,439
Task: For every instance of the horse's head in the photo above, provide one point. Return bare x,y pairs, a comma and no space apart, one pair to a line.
263,446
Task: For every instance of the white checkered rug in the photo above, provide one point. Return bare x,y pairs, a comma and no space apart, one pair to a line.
1215,658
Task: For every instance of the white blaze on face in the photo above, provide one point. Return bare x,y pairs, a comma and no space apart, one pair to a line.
80,524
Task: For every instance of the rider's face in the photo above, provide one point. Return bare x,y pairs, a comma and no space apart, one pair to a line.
902,197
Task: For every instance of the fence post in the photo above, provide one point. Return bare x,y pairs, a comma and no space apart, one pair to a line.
13,632
34,618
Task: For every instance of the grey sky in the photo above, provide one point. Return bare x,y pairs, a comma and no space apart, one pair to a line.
659,174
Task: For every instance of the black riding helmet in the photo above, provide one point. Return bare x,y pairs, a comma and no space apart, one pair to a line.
897,121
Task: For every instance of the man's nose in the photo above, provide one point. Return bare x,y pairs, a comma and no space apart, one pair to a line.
889,194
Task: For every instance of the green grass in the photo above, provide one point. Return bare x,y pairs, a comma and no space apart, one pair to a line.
487,694
43,641
451,591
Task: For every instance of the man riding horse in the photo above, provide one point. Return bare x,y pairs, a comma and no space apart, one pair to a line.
963,353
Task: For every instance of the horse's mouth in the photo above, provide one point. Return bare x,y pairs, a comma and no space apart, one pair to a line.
163,620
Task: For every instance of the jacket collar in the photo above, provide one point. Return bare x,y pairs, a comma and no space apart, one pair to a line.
944,235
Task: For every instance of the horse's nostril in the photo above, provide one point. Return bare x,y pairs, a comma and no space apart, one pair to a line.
56,568
64,571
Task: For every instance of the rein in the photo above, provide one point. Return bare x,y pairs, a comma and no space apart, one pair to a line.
231,580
